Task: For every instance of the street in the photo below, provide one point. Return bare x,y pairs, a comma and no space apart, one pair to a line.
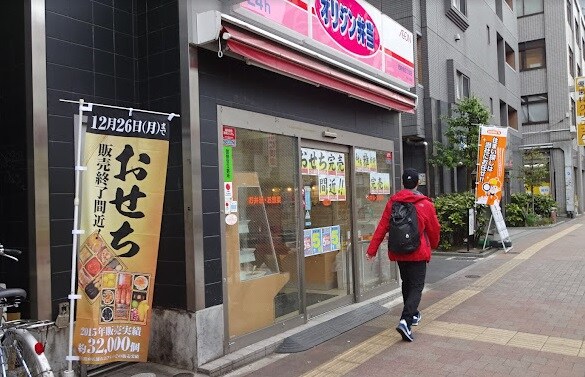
518,314
510,314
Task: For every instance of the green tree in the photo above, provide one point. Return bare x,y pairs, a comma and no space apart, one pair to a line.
462,137
534,170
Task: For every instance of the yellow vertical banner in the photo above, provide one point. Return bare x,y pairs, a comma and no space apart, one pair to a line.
580,109
490,164
120,213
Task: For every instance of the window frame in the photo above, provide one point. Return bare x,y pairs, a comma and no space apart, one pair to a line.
460,5
525,102
571,62
462,85
520,6
523,47
570,13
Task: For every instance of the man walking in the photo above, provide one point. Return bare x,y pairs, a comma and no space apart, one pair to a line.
412,264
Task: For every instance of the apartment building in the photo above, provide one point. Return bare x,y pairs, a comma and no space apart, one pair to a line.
551,41
462,48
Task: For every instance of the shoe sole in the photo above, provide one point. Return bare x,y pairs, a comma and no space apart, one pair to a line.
404,334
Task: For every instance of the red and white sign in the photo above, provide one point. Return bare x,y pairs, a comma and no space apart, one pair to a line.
229,136
354,28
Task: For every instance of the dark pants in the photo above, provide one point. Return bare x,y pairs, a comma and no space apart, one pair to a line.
413,282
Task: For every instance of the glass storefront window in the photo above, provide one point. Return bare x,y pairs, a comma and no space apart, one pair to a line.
262,231
374,186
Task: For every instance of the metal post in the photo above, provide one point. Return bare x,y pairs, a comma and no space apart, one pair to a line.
428,178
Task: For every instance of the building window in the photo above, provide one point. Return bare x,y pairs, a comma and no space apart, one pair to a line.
419,60
535,109
573,115
461,5
571,63
491,106
532,55
510,4
510,57
512,117
489,37
462,86
528,7
569,13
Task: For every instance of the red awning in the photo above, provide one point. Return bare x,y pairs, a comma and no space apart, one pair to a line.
276,57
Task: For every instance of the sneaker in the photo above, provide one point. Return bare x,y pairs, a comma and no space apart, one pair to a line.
404,331
416,319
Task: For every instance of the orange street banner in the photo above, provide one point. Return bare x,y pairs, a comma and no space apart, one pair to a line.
120,214
490,164
580,109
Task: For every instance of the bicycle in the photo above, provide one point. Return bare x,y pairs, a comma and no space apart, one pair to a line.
21,354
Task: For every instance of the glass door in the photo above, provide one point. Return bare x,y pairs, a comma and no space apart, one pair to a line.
326,205
374,186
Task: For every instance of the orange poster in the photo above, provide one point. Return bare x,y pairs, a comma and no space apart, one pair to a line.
490,164
120,214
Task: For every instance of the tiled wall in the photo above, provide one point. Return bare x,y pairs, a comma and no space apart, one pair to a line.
123,53
13,150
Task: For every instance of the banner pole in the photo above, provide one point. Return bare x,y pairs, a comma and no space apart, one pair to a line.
487,231
75,232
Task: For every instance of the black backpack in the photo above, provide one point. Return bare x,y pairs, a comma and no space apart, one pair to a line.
403,235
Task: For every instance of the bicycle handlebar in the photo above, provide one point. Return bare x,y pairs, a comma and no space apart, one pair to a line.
9,253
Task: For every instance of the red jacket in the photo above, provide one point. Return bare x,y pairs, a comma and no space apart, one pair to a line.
428,227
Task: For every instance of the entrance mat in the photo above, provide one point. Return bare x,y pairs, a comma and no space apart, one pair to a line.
329,329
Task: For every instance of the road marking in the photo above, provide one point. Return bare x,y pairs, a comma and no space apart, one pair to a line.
536,342
347,361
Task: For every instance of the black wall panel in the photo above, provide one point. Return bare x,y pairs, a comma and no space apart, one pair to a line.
110,52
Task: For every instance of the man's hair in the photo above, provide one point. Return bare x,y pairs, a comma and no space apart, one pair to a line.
410,178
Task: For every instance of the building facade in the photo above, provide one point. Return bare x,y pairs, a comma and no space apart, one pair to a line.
279,167
551,42
462,48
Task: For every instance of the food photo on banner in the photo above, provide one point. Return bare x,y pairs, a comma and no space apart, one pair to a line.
122,191
490,164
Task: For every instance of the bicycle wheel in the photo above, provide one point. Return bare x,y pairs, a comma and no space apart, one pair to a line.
19,356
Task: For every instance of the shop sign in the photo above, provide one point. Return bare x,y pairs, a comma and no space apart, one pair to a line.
229,136
262,200
353,30
580,109
490,166
125,155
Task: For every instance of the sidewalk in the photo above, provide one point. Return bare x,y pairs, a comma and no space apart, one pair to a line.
507,307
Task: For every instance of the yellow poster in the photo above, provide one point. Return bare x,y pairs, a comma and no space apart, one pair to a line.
580,109
120,214
490,164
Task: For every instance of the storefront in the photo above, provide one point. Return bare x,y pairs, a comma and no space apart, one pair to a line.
294,205
306,149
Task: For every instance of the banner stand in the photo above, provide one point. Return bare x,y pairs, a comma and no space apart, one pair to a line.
498,219
76,232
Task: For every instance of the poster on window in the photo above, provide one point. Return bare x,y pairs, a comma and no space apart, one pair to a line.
120,213
491,155
379,183
365,161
